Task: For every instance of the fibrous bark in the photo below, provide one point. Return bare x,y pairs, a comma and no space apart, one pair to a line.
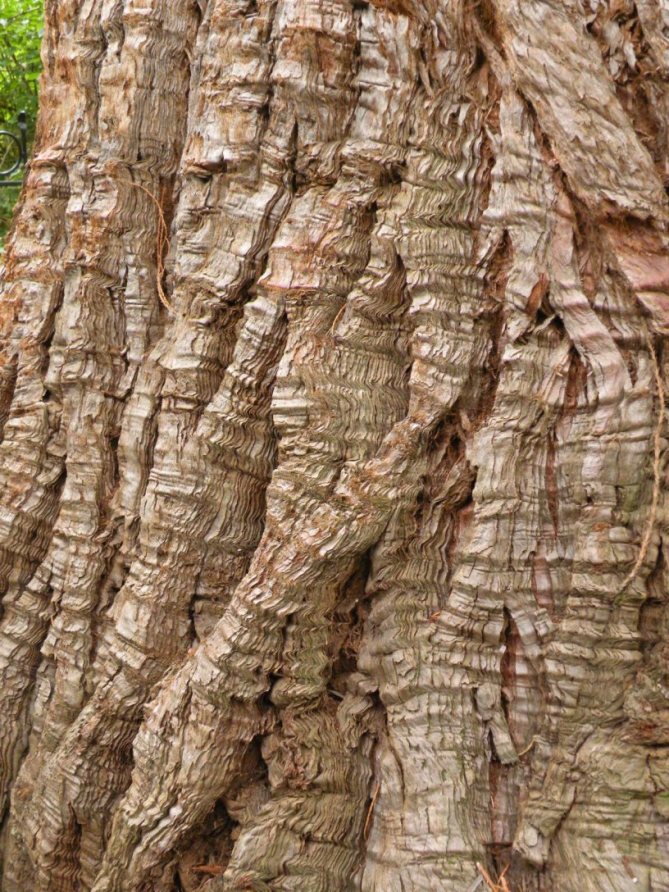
332,519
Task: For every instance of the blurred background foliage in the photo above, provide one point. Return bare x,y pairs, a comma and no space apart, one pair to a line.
21,24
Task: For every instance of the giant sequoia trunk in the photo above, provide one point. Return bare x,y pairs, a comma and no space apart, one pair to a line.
332,511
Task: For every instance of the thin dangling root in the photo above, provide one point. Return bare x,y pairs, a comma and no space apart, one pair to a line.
657,445
162,244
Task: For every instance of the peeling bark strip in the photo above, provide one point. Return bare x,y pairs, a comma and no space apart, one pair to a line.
333,517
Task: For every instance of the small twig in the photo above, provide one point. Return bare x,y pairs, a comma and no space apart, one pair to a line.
501,885
337,318
657,455
162,244
368,820
528,747
490,883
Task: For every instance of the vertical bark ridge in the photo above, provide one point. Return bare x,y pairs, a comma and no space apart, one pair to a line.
598,626
233,632
334,401
93,330
32,426
32,472
224,664
409,573
309,276
534,598
611,403
31,448
447,171
450,651
99,323
93,846
35,462
573,793
142,652
219,688
181,374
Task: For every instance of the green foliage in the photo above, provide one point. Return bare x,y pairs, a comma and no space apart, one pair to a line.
20,37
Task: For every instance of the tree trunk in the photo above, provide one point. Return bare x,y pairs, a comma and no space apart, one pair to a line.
332,511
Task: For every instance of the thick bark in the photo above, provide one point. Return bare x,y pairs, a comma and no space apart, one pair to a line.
333,517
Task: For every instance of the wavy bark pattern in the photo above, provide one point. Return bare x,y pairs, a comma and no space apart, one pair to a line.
332,527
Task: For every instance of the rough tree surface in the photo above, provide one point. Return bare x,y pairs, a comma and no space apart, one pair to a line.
332,503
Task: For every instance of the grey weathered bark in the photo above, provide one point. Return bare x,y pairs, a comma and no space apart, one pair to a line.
332,526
